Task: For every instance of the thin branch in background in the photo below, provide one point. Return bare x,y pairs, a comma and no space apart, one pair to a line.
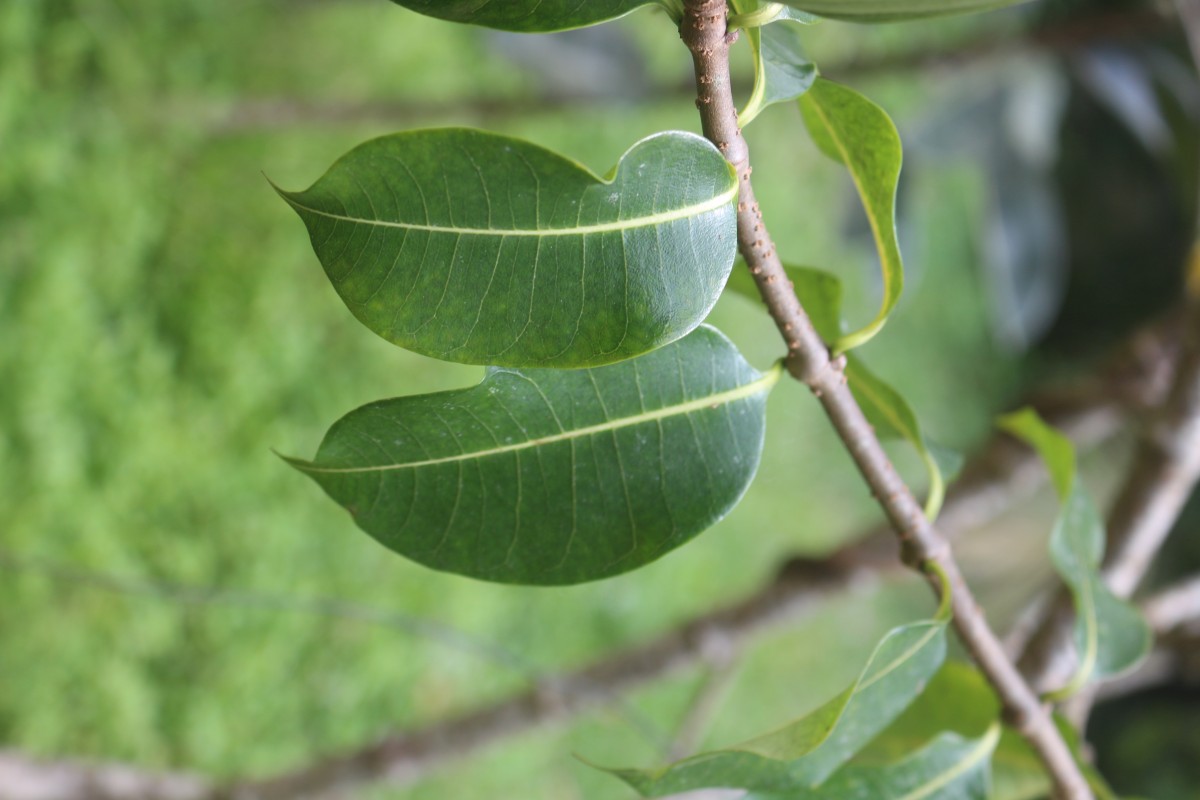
1164,473
704,32
707,700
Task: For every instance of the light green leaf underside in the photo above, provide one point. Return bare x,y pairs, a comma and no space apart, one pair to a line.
806,752
852,130
529,16
478,248
948,768
554,476
886,409
781,70
895,10
1110,634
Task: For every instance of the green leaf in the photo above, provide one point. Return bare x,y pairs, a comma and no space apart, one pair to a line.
807,751
960,700
948,768
893,418
895,10
554,476
852,130
473,247
528,16
781,70
1110,634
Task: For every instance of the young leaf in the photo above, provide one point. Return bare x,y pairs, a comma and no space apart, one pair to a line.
1110,634
892,417
781,70
528,16
806,752
895,10
948,768
473,247
554,476
852,130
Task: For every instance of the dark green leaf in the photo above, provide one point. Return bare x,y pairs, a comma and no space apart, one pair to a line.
895,10
528,16
948,768
807,751
852,130
554,476
1110,634
781,70
478,248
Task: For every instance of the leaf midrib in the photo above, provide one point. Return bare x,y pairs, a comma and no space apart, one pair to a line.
755,387
650,220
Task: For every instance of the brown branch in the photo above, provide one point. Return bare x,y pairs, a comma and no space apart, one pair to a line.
704,32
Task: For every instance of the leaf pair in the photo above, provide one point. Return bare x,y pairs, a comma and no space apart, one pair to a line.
531,16
1110,634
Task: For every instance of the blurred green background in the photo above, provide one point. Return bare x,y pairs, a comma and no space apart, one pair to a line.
171,594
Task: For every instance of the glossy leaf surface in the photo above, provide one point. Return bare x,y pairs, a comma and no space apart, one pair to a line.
895,10
853,131
781,70
1110,634
528,16
554,476
804,753
948,768
478,248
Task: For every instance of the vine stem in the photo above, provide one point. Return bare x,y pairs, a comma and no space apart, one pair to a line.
705,32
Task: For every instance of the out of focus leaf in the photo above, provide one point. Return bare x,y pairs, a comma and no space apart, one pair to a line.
895,10
948,768
806,752
1110,634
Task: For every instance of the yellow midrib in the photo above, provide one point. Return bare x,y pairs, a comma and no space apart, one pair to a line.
711,401
649,220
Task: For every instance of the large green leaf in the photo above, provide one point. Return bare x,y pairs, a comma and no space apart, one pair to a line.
528,16
473,247
948,768
554,476
1110,634
852,130
895,10
807,751
781,70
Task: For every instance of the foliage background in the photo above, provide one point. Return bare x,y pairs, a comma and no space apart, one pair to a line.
168,587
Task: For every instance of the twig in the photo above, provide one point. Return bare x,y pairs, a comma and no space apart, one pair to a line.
704,32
